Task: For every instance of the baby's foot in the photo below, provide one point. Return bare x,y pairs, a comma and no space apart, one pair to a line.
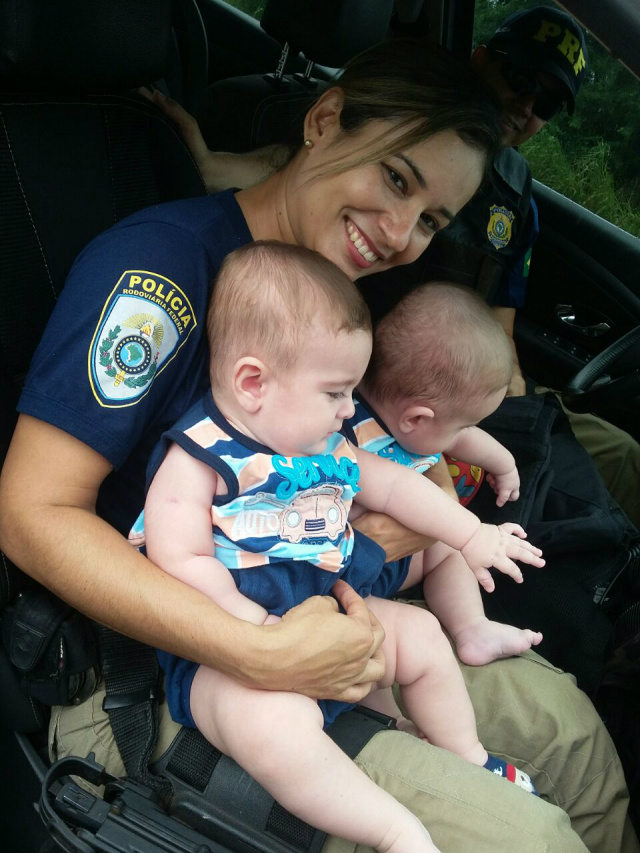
508,771
486,641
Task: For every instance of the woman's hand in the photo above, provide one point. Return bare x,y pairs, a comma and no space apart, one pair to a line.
324,654
396,539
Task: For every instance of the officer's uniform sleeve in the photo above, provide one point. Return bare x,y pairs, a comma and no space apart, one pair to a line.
511,290
125,335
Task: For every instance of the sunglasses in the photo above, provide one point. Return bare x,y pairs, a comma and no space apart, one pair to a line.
524,82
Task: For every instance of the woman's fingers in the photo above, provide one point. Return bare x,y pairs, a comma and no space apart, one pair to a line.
355,607
326,654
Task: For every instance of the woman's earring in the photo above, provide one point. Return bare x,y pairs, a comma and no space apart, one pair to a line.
308,143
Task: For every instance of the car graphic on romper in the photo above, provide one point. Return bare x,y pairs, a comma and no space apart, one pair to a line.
313,514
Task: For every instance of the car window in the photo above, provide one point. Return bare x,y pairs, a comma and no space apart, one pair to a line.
589,157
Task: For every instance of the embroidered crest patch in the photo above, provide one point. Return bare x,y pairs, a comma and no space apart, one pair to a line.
499,226
144,322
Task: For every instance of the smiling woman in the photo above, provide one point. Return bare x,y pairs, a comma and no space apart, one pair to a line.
390,155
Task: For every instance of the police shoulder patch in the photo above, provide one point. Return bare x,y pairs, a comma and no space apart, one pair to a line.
499,227
144,322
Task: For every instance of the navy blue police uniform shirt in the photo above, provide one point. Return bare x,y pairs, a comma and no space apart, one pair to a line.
124,354
500,221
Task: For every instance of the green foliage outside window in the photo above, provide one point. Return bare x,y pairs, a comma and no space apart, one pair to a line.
592,156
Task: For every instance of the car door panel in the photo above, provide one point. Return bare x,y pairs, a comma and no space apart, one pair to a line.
582,267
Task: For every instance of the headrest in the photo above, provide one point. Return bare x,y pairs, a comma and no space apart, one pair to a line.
329,32
90,46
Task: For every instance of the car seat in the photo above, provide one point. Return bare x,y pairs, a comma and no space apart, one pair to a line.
73,163
261,109
79,150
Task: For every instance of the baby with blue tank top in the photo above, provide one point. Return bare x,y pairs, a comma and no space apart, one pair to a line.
441,363
249,501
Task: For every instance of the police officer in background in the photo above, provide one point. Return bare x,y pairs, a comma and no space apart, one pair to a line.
535,62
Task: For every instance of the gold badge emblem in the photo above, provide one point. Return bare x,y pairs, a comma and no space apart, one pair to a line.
499,227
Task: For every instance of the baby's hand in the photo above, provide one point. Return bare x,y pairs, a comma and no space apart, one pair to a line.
499,547
506,486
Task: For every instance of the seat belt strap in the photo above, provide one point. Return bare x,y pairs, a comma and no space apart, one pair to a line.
130,671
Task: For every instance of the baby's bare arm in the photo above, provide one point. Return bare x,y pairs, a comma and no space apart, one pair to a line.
419,504
402,493
220,170
397,540
477,447
439,474
179,537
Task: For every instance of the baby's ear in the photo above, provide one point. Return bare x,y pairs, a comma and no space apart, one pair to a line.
250,377
413,417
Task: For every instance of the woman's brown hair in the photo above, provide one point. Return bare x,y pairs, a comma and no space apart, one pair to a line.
420,88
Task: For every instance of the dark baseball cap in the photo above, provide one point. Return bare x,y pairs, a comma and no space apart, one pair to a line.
545,39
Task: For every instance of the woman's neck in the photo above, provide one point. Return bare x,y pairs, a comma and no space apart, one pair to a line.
265,209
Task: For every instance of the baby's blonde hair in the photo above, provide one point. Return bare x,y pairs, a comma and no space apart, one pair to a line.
441,344
267,295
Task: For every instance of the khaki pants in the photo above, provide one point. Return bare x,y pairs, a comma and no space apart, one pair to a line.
528,712
616,455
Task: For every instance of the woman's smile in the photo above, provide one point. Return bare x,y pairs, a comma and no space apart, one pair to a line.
366,252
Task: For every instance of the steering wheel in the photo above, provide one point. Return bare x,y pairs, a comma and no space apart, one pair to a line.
596,386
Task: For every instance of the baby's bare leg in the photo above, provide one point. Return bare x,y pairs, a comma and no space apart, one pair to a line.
453,595
419,658
278,738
